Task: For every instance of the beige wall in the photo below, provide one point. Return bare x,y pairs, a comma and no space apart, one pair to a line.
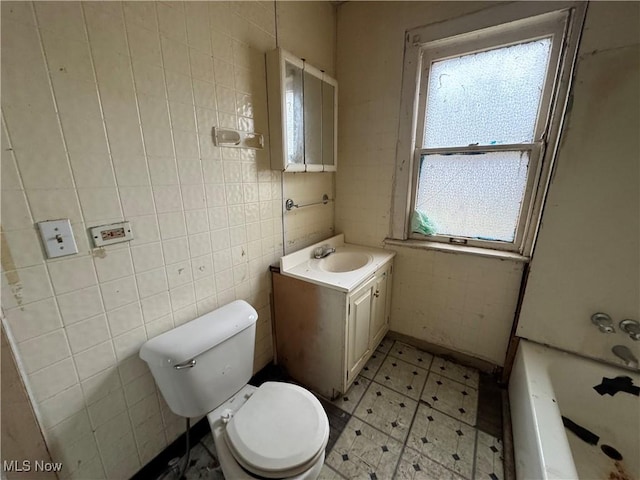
467,303
460,302
587,258
107,109
310,34
308,30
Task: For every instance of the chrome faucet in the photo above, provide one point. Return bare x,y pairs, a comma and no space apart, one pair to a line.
623,353
323,251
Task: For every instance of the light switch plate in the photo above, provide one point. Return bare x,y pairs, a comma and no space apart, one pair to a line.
112,233
57,238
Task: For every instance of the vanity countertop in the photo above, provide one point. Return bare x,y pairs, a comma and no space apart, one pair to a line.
303,266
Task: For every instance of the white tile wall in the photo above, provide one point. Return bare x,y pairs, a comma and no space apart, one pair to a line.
308,225
34,319
107,110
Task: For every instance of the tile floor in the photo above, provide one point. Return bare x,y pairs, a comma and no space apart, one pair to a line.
408,416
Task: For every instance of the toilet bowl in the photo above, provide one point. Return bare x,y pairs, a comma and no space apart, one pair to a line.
253,441
277,430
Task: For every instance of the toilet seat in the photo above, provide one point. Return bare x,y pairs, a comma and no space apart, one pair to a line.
279,432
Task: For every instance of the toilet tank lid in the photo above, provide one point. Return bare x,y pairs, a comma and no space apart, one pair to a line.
199,335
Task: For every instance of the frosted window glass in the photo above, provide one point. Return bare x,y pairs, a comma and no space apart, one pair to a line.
473,195
486,98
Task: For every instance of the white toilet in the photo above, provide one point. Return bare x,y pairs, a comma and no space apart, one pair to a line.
278,430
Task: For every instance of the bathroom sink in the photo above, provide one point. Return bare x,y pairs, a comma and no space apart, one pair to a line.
345,269
339,262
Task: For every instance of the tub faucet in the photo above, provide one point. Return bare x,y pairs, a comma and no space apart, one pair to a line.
623,353
323,251
603,322
631,327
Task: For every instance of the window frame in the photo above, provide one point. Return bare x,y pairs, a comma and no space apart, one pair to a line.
554,26
535,150
485,30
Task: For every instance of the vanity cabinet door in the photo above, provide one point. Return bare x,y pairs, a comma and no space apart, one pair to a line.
358,324
381,307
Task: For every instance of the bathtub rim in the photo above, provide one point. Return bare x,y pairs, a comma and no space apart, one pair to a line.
535,412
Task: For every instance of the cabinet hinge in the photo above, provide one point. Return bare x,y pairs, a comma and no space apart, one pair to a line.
349,310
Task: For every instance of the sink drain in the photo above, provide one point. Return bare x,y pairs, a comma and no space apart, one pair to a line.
611,452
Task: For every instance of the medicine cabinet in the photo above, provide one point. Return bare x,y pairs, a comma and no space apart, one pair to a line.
303,115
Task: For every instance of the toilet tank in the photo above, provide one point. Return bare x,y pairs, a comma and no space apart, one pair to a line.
200,364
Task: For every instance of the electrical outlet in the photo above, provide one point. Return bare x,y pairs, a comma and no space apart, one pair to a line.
112,233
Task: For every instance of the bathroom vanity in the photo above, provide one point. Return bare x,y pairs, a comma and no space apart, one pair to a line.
331,313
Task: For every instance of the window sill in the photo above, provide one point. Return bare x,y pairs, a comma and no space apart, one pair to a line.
444,247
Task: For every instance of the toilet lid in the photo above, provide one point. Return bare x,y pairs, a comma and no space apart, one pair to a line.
281,427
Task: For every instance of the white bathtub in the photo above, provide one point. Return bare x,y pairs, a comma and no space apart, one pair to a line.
547,383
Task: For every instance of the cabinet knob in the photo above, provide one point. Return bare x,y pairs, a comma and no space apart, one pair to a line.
377,293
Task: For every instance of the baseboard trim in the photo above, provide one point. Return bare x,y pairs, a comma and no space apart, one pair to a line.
446,353
160,462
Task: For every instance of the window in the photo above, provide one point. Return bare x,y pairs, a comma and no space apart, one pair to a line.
480,110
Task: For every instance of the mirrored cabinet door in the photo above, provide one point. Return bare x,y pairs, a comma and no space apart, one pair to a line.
312,122
294,114
328,126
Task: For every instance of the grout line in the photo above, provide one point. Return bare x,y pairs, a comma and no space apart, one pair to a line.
195,120
78,381
127,247
61,130
475,456
419,402
429,372
422,402
159,398
415,414
148,173
387,354
333,470
366,389
167,103
201,164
